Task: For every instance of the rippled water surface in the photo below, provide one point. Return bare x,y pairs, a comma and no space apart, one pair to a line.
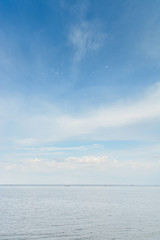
79,212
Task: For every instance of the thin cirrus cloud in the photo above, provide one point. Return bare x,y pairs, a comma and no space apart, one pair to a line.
84,38
34,128
56,149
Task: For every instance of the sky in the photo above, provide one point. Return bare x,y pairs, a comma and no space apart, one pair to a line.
79,92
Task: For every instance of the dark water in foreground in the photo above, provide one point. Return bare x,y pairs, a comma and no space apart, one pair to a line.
79,212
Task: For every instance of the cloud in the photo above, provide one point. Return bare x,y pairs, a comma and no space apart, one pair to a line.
121,115
88,160
150,40
99,163
11,166
35,160
107,66
69,163
55,149
86,37
29,127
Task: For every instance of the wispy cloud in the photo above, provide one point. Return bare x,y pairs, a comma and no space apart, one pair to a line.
55,149
86,37
32,127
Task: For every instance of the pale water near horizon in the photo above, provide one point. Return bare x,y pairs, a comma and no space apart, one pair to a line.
79,212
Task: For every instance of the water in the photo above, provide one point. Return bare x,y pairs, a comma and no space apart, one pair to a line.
79,212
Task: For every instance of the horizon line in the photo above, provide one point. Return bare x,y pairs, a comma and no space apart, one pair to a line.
69,185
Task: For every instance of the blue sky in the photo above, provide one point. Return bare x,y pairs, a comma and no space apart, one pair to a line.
80,92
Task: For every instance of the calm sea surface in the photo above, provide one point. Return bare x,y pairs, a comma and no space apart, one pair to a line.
79,212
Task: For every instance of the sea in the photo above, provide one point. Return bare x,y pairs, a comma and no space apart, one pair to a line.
75,212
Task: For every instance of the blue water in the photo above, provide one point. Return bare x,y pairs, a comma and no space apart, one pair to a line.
79,212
